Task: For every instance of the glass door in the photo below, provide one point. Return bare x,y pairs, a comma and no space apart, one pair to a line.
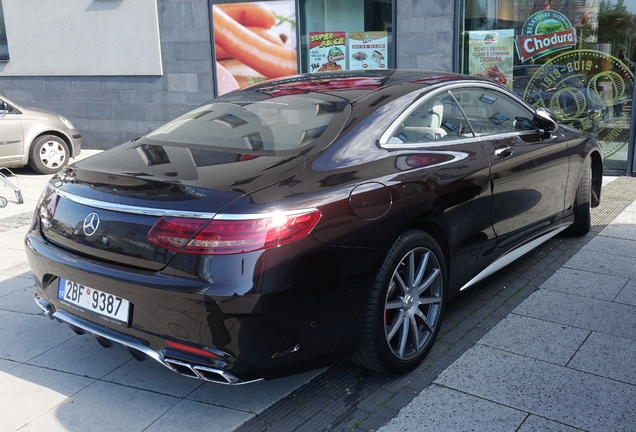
575,57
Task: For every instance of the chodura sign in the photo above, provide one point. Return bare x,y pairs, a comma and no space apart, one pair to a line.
543,33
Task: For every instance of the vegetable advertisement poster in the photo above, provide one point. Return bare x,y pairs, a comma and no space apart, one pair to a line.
253,41
368,50
491,55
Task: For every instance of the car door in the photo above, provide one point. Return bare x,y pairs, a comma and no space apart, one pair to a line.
11,136
445,176
529,169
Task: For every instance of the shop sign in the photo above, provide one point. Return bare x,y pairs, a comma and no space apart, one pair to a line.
327,51
368,50
543,33
491,55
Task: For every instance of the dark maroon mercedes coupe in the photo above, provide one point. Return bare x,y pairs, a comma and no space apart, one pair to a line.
306,221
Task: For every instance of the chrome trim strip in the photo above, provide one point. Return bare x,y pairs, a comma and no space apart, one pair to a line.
429,145
122,208
151,211
63,316
511,256
386,136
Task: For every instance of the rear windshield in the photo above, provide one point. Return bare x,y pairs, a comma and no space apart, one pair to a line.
281,123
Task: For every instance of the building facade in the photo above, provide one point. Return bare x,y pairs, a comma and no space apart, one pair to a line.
118,68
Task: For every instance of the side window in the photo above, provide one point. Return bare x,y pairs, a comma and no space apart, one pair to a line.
491,112
435,119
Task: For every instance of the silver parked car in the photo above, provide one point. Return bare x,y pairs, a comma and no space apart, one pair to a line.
42,139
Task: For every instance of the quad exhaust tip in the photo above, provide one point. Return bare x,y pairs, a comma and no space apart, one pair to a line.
107,338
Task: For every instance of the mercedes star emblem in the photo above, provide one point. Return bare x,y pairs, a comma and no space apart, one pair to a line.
90,224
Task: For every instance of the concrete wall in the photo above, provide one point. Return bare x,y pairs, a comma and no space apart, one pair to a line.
110,110
82,37
425,34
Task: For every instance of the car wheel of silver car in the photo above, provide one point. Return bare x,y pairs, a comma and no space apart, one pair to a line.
48,154
583,203
404,313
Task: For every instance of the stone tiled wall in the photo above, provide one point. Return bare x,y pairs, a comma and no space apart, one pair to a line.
111,110
425,34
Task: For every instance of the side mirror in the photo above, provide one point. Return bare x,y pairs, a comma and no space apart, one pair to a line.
545,120
4,107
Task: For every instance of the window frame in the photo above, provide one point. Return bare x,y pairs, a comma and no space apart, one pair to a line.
390,131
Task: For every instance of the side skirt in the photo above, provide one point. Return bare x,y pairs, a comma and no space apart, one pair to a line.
511,256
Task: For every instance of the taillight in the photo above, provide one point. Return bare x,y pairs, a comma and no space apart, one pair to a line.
227,235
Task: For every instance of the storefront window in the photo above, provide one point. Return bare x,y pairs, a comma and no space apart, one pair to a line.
4,46
572,57
346,35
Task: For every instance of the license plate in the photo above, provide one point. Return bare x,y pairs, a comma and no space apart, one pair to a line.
93,300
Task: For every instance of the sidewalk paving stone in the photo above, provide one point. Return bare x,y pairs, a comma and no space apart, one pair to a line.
150,375
542,340
611,245
82,356
585,283
619,265
104,407
438,407
10,284
539,424
34,391
557,393
6,365
195,416
29,337
627,294
21,300
582,312
253,398
608,356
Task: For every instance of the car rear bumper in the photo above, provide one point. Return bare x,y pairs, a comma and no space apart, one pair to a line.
254,334
139,349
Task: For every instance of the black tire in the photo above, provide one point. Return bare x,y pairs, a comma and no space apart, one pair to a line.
404,313
48,154
583,203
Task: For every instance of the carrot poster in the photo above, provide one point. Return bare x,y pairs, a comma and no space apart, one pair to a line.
254,41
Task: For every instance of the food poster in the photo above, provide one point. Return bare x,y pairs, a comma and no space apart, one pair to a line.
327,51
253,42
368,50
491,55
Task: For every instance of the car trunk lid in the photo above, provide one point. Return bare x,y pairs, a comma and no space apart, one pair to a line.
107,213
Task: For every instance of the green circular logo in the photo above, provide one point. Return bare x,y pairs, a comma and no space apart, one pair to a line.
586,89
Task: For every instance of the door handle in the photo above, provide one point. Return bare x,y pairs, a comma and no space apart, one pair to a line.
503,152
